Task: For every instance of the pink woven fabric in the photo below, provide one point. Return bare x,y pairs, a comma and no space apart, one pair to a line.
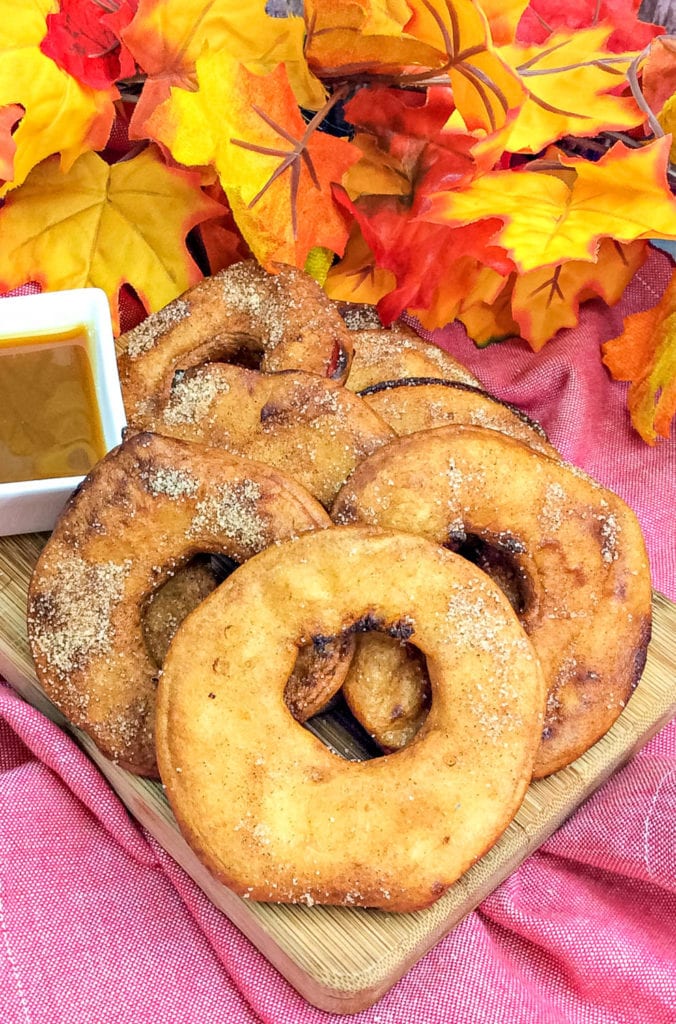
99,926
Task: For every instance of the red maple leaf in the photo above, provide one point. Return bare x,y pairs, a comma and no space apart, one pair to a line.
83,38
433,264
411,128
542,17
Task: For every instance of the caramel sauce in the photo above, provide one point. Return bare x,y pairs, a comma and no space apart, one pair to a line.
49,418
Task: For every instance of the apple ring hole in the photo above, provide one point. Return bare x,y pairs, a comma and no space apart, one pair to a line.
387,690
502,565
321,663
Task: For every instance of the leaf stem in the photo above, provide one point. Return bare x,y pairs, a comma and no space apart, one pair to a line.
637,93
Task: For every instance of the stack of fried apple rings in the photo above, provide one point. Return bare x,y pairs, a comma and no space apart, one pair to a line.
311,511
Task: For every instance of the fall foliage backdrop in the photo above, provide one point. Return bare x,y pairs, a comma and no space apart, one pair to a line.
493,161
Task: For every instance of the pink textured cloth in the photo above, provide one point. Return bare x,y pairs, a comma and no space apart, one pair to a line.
99,926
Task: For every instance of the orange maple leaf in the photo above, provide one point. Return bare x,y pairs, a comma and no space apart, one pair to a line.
166,38
490,320
486,90
503,18
433,267
356,278
348,37
645,355
545,300
408,42
276,170
104,226
59,114
658,81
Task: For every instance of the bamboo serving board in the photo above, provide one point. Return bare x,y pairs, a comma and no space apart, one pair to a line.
342,959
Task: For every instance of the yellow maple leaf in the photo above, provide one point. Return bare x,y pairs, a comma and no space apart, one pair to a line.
276,172
61,115
492,321
623,196
104,226
568,81
167,37
377,171
645,355
667,119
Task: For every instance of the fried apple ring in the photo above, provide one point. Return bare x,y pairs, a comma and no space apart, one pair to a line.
369,691
421,403
146,509
579,548
283,320
396,353
393,712
278,816
311,428
321,665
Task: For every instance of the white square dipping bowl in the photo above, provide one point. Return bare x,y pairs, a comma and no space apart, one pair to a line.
29,506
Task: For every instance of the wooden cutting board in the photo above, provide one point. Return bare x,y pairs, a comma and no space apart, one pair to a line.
342,959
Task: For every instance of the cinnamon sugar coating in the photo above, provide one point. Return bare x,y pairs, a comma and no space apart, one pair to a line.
282,321
398,352
309,427
577,548
146,510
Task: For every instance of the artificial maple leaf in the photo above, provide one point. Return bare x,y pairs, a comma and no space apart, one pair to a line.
349,37
485,89
488,322
658,80
667,119
83,38
168,36
433,268
408,42
104,226
223,245
623,196
407,150
9,118
413,135
356,278
61,115
543,301
645,355
276,170
376,172
503,18
568,82
544,17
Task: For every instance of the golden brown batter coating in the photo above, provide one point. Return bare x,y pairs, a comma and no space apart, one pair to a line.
283,320
579,548
399,352
421,403
278,816
148,508
309,427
